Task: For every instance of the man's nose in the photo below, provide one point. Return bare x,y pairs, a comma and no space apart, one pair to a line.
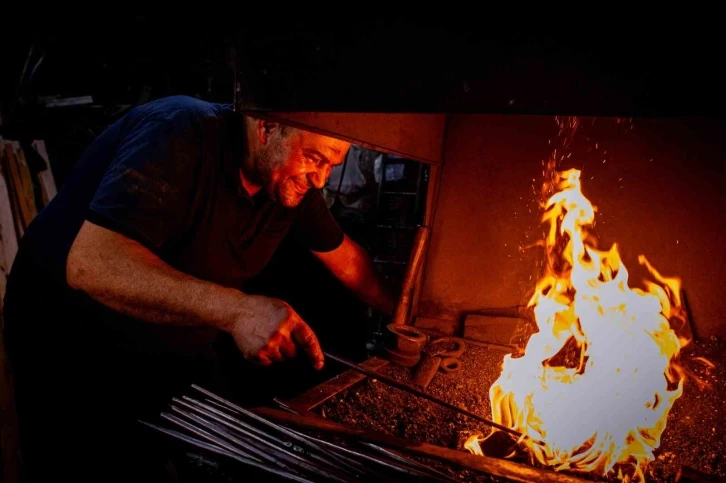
319,177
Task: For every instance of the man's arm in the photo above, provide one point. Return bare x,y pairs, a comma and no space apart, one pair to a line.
354,268
124,275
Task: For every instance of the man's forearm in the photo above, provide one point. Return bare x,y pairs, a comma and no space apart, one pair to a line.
369,287
372,292
353,266
127,277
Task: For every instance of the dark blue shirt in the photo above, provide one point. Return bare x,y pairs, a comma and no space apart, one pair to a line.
167,176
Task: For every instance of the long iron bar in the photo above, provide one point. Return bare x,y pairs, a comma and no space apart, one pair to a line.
411,390
244,451
415,465
217,405
273,453
218,450
406,470
279,429
257,434
407,461
257,418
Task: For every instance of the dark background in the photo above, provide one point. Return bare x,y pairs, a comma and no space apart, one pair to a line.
603,64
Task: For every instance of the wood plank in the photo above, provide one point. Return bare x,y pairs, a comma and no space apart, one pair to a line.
322,392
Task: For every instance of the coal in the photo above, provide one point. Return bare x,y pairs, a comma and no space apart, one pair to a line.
694,437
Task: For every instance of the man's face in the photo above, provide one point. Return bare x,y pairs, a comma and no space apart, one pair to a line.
290,164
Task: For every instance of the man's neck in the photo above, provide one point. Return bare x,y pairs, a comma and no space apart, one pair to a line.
248,185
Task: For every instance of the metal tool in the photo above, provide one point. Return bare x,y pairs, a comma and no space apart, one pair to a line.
437,357
411,390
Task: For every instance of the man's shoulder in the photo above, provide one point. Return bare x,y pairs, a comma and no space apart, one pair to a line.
312,201
182,111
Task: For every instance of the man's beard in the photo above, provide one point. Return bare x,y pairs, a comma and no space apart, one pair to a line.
288,193
285,190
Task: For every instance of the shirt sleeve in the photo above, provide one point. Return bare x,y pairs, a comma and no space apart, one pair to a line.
315,228
147,192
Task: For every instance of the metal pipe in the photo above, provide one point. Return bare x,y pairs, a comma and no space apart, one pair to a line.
411,390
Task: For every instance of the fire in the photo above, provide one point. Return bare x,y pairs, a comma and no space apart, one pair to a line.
598,379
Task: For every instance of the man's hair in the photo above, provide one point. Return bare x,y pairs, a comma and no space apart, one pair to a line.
285,129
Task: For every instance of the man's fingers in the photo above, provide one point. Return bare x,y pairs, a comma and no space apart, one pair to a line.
261,359
288,349
305,336
272,350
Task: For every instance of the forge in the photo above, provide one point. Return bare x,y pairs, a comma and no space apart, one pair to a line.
690,440
573,257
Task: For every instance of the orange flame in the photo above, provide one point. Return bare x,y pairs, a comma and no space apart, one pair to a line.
598,379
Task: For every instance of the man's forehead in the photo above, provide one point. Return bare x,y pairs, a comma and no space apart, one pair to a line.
327,145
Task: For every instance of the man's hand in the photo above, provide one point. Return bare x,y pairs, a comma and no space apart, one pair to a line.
125,276
270,331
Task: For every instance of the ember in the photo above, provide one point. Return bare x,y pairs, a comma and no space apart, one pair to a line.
598,379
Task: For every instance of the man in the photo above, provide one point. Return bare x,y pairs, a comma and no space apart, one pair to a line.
122,283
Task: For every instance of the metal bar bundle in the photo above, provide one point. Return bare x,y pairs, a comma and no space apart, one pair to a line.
214,424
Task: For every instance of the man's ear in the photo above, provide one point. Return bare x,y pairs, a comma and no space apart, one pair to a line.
265,129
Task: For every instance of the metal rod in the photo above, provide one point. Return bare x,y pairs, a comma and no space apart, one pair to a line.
219,442
390,465
486,464
263,437
198,442
219,405
288,460
407,461
415,465
411,390
215,449
280,429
